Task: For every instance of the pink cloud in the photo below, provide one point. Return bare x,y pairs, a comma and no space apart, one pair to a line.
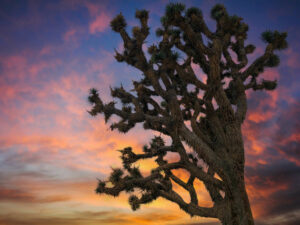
84,146
92,8
100,23
74,34
69,35
271,74
100,17
293,58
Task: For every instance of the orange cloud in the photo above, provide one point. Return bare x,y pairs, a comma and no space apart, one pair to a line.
265,103
261,196
18,195
94,217
258,117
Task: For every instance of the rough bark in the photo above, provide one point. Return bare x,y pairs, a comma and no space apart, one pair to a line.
209,125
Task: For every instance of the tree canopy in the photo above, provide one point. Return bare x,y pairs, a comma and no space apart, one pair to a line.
205,115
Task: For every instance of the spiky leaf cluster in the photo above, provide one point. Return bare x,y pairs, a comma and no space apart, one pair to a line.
173,9
142,14
218,11
276,38
116,175
118,23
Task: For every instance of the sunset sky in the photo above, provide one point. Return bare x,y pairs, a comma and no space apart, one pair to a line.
52,151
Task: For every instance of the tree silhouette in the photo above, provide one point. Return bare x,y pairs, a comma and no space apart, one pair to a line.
202,116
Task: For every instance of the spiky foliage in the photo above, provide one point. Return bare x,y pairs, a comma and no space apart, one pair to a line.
115,176
277,39
142,14
118,23
174,8
193,11
218,11
211,131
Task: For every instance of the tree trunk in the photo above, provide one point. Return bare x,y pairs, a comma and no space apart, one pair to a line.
236,210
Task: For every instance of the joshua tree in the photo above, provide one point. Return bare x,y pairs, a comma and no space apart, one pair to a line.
201,119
